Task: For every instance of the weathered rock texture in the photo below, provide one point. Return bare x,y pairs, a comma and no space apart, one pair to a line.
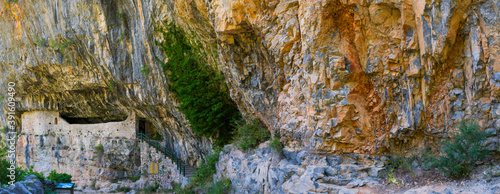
92,59
353,76
331,76
266,171
30,185
88,152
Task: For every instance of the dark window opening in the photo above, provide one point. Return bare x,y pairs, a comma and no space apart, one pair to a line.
93,120
142,126
55,120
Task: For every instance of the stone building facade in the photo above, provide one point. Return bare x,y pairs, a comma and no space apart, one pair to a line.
89,152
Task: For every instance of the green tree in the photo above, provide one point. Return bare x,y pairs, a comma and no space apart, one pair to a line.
59,177
460,153
200,87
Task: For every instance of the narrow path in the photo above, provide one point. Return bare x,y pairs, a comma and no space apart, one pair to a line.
185,169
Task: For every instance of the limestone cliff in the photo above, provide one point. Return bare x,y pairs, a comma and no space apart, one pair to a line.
330,76
352,76
92,59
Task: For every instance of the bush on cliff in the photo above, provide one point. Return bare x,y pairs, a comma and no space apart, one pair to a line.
204,173
249,135
200,87
460,154
202,180
59,177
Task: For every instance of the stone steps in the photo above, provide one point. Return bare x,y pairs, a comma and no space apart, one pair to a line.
188,170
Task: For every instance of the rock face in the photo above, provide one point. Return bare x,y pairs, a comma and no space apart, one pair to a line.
330,76
352,76
265,171
89,59
31,184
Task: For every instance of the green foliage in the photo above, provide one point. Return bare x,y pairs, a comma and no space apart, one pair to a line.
39,42
177,188
99,148
220,187
7,2
151,188
4,150
205,172
114,181
134,178
399,161
157,137
59,46
121,16
144,70
249,135
18,172
460,154
38,175
48,190
391,178
201,88
204,181
59,177
111,84
123,189
92,184
4,164
276,144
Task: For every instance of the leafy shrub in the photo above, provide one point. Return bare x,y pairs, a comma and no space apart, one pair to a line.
427,158
151,188
124,189
48,190
99,148
220,187
4,150
460,154
59,177
18,172
134,178
157,136
38,175
204,173
200,87
249,135
178,189
276,144
400,161
144,70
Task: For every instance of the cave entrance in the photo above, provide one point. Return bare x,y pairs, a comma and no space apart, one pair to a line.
148,128
142,126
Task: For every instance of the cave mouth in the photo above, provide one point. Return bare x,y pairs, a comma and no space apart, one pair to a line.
93,120
142,126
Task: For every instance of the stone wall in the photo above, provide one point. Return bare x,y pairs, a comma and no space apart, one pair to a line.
43,123
74,148
170,174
